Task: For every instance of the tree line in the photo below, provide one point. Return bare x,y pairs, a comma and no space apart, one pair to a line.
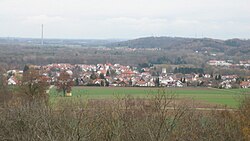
187,70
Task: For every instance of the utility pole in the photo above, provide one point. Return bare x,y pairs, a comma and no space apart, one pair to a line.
42,36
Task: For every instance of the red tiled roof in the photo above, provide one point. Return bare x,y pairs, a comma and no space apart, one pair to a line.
128,72
245,83
141,82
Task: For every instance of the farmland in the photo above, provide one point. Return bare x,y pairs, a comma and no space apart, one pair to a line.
229,98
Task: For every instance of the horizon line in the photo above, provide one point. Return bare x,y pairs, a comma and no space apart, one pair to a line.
55,38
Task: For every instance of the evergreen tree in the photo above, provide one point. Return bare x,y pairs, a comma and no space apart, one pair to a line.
93,76
130,82
211,75
108,73
157,82
101,76
184,80
219,77
77,81
216,77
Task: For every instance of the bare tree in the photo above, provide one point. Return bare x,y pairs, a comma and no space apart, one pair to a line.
64,83
34,85
5,96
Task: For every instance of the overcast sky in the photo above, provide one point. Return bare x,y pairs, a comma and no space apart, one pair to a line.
125,19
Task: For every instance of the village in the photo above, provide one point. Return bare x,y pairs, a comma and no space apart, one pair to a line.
117,75
230,64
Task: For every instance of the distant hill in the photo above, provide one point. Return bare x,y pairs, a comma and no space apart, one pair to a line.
185,43
60,42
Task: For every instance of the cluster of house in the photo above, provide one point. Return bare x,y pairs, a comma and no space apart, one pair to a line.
124,76
230,63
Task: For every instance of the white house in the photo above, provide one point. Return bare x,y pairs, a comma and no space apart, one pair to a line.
12,81
145,84
179,84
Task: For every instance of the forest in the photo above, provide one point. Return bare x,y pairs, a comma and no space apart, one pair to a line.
187,52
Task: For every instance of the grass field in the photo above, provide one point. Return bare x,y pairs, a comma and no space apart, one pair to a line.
229,97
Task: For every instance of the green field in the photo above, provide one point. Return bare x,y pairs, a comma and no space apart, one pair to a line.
229,97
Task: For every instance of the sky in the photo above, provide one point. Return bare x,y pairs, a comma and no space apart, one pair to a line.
125,19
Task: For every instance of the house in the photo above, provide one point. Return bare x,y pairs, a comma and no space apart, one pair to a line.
226,84
190,77
141,83
128,73
245,84
123,84
145,69
218,63
11,72
145,84
245,62
167,80
12,81
69,72
97,81
150,84
104,72
87,75
179,84
227,77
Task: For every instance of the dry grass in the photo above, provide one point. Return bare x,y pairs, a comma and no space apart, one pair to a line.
121,119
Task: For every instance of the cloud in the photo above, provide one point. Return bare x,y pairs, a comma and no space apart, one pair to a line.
42,19
125,18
